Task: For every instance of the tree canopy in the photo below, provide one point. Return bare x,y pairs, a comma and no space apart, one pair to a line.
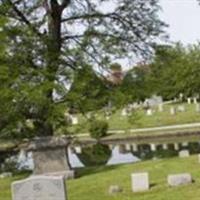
48,40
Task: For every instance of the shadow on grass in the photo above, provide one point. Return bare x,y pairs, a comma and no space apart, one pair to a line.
80,172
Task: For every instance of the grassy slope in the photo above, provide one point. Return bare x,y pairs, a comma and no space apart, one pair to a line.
143,121
93,183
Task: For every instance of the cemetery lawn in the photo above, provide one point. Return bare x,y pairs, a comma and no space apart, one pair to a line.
93,183
141,120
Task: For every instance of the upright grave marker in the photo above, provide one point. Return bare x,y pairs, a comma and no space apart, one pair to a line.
40,188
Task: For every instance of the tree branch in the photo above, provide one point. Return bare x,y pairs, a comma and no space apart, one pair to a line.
88,16
23,18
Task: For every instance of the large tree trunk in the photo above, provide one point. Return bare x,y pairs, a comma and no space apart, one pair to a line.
53,55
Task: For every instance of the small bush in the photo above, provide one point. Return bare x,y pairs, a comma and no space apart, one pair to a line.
98,129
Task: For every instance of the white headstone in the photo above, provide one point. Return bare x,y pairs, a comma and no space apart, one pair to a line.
198,108
149,112
189,100
181,108
172,111
179,179
124,112
39,188
74,120
195,100
184,154
198,158
140,182
160,108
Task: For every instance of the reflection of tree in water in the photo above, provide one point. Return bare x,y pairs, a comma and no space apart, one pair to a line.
95,155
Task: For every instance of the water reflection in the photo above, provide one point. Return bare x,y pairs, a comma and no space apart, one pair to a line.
130,153
112,154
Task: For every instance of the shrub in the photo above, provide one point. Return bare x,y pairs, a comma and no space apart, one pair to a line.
98,129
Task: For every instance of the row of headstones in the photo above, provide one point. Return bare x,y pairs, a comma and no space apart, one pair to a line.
54,188
140,182
173,110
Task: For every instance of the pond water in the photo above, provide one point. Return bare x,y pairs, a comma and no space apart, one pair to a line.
126,152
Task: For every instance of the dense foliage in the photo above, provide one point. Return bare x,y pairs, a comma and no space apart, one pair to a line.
98,128
48,42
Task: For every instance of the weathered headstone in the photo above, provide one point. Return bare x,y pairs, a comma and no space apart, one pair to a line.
184,154
181,108
160,108
149,112
198,158
124,112
140,182
172,111
189,100
195,100
74,120
198,108
113,189
39,188
179,179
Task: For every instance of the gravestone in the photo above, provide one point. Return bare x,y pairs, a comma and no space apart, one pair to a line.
160,108
50,157
181,96
184,154
198,108
172,111
198,158
189,100
195,100
74,120
181,108
39,188
113,189
179,179
149,112
140,182
124,112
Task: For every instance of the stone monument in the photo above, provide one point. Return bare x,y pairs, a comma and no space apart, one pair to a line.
140,182
40,188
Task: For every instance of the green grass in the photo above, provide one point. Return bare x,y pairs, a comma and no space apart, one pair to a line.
117,122
93,183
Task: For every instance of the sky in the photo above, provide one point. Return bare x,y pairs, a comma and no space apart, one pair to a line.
183,18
